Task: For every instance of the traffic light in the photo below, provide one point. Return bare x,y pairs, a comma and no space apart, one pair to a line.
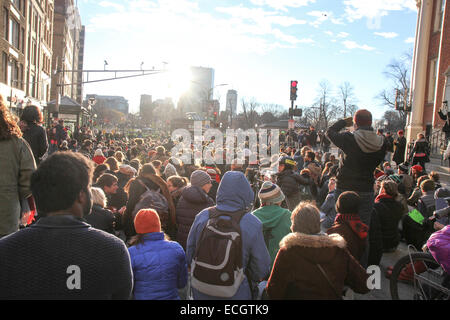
215,116
294,87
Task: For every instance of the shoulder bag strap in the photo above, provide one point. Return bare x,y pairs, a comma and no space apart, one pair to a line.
338,295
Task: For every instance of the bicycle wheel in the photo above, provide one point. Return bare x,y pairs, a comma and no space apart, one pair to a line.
425,282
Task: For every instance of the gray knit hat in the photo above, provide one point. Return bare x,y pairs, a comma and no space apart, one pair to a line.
170,170
270,193
199,178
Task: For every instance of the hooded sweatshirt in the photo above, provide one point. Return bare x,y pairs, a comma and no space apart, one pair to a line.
234,194
276,224
363,152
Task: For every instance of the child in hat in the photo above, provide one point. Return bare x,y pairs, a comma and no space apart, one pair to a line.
275,219
159,266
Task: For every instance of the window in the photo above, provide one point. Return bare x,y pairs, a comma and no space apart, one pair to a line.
14,38
6,23
33,85
33,52
4,75
432,80
439,14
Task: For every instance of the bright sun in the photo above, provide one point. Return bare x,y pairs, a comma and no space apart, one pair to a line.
179,81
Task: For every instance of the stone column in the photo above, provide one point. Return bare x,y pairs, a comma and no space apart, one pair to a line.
419,73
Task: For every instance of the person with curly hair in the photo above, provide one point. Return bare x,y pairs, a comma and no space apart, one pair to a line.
17,164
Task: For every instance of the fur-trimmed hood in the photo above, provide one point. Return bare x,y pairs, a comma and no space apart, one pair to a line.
319,248
313,241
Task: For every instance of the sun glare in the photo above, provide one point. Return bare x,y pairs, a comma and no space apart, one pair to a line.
179,81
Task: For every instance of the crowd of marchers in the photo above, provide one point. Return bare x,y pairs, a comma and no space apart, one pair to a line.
88,216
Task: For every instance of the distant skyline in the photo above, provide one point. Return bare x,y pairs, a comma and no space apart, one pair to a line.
256,47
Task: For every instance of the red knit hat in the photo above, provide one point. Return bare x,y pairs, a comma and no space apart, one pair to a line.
417,168
146,221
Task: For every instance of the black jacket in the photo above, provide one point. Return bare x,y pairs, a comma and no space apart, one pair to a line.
355,172
389,212
43,261
101,219
288,181
37,139
193,200
400,147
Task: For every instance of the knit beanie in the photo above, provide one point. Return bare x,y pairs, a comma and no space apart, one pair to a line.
199,178
348,203
306,219
146,221
270,193
170,170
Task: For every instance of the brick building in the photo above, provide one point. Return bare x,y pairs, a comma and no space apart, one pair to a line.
26,37
431,70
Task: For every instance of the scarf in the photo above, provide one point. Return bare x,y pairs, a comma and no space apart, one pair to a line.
355,224
382,196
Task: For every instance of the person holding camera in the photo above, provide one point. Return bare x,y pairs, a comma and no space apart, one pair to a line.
363,150
290,182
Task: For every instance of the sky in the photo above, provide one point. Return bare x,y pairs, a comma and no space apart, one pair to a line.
256,47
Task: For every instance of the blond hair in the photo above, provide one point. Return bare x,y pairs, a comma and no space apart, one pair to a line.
98,197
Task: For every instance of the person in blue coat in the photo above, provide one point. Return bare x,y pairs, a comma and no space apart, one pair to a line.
235,194
159,266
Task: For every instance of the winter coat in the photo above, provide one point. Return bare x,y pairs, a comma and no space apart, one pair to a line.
296,275
235,194
159,268
363,150
289,183
328,208
193,200
399,153
276,224
36,137
42,261
16,166
421,147
134,195
101,219
439,246
356,243
384,234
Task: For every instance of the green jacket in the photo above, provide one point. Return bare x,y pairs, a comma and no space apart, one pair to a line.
276,224
16,166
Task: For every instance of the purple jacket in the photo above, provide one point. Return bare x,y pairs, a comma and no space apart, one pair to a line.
439,246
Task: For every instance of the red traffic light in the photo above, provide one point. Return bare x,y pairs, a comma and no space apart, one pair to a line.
215,113
294,84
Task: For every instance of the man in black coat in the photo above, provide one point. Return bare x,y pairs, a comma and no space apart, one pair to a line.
400,147
363,150
61,256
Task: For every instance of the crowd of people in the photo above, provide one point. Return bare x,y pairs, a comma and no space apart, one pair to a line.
93,216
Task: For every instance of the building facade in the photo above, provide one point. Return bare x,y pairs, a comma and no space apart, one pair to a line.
430,71
232,99
68,51
109,102
26,52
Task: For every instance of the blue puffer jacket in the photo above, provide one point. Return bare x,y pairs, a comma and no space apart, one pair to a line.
159,268
235,194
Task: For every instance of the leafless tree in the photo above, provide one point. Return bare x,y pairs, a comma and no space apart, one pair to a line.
250,112
347,99
398,72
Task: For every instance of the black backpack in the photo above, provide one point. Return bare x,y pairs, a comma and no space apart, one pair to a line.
217,268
